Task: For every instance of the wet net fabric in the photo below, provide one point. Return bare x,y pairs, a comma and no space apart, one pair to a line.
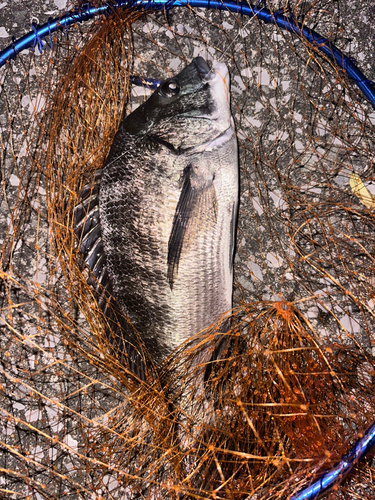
293,387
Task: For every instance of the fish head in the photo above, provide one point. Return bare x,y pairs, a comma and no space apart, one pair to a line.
188,110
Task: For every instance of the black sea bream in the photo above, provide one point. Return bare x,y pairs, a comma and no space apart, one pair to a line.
158,227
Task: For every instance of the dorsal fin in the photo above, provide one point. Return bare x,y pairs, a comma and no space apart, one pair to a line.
90,244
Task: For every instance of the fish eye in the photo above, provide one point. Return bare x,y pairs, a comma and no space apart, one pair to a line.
170,88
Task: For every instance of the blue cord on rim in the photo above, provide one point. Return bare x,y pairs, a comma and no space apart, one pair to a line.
334,476
328,479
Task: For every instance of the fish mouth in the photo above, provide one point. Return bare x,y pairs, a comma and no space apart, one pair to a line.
217,78
203,68
206,73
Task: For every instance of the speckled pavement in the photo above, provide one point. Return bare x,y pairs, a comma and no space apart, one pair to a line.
279,124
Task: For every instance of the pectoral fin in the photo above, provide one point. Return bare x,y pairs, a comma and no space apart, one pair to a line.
196,212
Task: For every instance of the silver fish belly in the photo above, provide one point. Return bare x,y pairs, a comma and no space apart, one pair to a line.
166,206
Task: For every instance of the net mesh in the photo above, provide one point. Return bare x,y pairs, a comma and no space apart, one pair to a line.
293,386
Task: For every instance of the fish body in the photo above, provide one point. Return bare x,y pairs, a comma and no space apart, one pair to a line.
164,210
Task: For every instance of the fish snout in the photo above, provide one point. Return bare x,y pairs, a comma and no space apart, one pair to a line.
203,69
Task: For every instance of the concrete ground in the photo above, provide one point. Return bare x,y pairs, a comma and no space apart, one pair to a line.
273,83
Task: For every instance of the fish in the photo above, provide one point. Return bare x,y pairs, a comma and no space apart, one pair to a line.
157,226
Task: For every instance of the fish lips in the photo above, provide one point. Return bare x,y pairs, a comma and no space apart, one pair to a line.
218,70
203,68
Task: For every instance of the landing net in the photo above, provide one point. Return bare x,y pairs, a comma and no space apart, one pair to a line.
293,389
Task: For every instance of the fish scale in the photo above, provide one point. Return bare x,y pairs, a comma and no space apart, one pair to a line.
166,204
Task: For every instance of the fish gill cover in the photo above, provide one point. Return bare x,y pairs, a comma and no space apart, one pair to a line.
294,385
